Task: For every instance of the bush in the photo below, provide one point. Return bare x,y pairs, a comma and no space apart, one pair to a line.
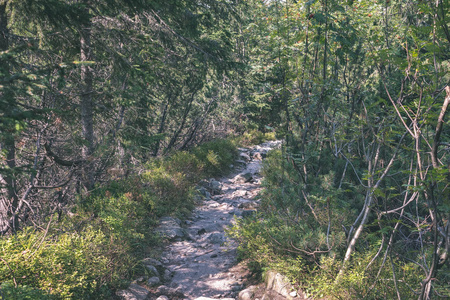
217,156
255,137
65,265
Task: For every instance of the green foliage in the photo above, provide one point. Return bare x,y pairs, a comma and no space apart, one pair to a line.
8,291
67,265
255,137
217,156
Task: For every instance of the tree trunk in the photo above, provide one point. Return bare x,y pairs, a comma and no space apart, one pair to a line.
9,199
86,106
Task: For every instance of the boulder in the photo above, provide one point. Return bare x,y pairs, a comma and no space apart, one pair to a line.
247,294
153,281
278,283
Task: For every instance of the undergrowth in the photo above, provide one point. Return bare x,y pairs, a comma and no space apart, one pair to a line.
298,232
97,248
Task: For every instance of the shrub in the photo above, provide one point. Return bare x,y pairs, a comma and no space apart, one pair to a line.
217,156
255,137
64,265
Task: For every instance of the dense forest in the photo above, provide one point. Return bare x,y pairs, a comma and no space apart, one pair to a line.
112,110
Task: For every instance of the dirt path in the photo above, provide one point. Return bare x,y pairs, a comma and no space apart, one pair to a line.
201,263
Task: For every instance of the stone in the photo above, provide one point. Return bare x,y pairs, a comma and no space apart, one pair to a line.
244,156
126,295
134,292
167,275
278,283
203,192
216,238
170,292
201,231
248,204
152,269
215,187
170,221
240,162
247,294
170,228
152,281
162,298
151,261
243,177
293,294
257,156
206,298
240,193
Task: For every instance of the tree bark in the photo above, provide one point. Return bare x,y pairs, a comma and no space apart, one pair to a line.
87,106
9,200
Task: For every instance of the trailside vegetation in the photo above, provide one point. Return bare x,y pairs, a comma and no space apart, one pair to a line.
356,205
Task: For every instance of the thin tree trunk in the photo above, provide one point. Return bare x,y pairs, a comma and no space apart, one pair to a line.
87,106
9,202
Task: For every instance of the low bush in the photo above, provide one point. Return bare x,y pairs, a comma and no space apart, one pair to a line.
255,137
217,156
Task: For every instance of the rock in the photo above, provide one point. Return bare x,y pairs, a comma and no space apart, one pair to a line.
248,204
212,204
215,187
162,298
201,231
206,298
293,294
153,281
152,269
134,292
244,156
243,178
257,156
247,294
202,191
170,228
162,290
216,238
170,221
240,193
151,261
167,275
170,292
126,295
278,283
240,162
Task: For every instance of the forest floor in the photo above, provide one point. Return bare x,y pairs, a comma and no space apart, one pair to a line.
203,264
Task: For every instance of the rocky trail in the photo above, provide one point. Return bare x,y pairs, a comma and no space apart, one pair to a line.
200,262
